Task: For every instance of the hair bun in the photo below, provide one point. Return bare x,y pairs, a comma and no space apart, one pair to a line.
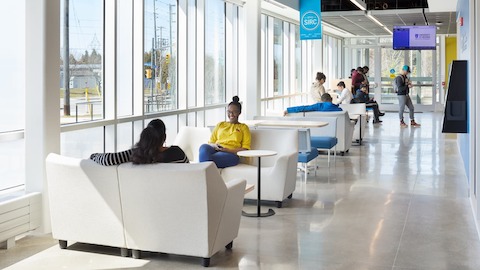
236,99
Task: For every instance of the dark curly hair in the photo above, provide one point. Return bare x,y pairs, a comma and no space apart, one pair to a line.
320,76
152,138
236,102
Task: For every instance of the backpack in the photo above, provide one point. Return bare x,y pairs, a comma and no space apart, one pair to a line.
394,83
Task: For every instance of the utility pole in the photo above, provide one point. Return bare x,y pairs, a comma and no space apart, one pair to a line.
161,64
170,26
152,67
66,60
154,54
170,43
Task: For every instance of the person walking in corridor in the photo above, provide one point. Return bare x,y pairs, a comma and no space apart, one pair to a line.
402,86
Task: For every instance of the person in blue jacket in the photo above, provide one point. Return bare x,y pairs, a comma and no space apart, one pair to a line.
325,105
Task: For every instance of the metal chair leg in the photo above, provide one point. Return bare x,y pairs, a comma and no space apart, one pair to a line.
306,171
328,157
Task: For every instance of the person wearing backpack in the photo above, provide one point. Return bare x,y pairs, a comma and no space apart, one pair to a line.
402,87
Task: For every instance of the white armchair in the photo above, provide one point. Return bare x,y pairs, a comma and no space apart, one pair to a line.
184,209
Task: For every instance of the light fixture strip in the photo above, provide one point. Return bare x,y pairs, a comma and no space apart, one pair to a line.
388,30
360,4
374,19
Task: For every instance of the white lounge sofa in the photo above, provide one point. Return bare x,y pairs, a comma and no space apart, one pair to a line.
279,172
184,209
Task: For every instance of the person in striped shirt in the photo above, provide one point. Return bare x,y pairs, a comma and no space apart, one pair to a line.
149,149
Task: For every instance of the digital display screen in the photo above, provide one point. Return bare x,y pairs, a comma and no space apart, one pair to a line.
414,37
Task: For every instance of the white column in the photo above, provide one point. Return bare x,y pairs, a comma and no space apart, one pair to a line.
475,112
378,74
109,88
138,17
42,94
251,97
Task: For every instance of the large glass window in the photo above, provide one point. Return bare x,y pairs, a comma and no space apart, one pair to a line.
391,61
298,60
214,51
81,61
82,143
281,64
332,59
421,76
277,57
12,160
160,55
12,103
12,24
95,34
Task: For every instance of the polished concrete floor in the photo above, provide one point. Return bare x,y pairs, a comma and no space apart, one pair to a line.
399,201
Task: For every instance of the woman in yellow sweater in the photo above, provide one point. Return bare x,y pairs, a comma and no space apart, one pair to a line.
227,139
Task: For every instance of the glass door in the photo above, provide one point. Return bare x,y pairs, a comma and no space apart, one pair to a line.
423,66
385,64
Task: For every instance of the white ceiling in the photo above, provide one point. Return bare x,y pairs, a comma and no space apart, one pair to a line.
442,5
354,22
358,24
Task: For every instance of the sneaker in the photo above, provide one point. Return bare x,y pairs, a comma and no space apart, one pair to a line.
381,114
377,121
402,124
414,124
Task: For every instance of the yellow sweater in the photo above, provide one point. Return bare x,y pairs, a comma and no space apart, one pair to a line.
231,135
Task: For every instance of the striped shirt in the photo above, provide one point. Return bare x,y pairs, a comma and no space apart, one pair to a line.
173,154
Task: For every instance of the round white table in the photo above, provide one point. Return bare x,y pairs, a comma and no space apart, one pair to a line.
258,154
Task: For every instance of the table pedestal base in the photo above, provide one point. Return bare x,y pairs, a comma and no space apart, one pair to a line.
259,154
269,213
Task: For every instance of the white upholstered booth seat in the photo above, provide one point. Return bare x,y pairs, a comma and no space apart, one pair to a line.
278,173
189,139
184,209
357,111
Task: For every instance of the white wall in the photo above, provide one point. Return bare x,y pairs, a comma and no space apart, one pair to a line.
42,124
467,49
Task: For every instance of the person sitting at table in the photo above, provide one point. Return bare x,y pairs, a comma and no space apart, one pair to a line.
345,94
149,149
228,137
325,105
362,96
